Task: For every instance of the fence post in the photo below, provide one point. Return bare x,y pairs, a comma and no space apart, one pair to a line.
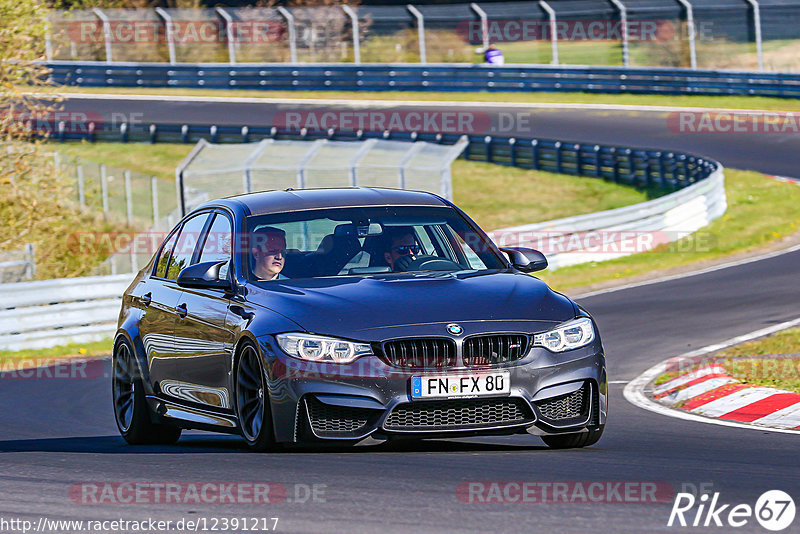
553,30
614,165
106,32
104,189
128,197
484,23
229,35
356,40
757,26
512,147
690,22
81,190
30,265
185,133
154,195
623,22
535,153
292,33
421,32
487,141
578,160
123,132
153,133
170,30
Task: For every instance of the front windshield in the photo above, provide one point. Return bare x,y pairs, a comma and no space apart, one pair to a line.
375,241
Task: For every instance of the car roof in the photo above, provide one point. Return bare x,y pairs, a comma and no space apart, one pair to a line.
266,202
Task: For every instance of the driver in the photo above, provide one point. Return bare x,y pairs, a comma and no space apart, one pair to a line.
268,249
401,247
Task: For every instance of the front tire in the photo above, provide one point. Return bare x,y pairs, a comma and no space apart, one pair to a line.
130,407
574,441
252,401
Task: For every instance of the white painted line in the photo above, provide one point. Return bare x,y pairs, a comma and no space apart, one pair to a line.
697,389
788,417
400,103
685,379
617,381
688,274
634,393
734,401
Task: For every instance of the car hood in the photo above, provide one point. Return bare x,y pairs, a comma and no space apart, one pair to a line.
372,309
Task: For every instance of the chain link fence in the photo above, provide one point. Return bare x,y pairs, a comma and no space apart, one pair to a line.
710,34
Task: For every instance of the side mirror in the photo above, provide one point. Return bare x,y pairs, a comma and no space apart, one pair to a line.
526,260
204,276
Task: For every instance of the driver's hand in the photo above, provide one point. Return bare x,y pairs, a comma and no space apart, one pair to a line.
403,262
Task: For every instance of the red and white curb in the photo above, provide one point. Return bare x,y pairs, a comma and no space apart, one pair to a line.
709,393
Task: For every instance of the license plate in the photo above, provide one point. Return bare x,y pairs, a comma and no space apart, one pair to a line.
473,385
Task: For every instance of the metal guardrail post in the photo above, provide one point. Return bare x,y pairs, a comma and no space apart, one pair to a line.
690,22
104,188
292,33
107,35
128,197
229,34
81,188
623,21
170,30
757,27
356,40
598,166
487,141
551,13
578,160
154,196
535,153
484,23
512,151
423,58
559,158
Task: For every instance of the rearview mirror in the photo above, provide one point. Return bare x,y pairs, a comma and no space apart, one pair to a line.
527,260
204,276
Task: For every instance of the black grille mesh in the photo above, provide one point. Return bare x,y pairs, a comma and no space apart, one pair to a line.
565,406
421,353
452,414
494,349
326,419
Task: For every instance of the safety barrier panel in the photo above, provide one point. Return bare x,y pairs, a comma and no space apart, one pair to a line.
42,314
431,77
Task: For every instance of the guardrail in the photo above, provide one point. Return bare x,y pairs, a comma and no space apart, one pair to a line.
42,314
432,77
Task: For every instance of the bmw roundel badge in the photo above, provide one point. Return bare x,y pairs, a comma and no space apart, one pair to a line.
455,329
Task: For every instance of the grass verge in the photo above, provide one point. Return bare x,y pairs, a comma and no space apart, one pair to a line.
717,102
773,362
43,356
760,211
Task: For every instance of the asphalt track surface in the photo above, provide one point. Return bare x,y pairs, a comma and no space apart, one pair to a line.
771,153
59,432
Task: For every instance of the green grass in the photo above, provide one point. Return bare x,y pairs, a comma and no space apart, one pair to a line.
773,361
74,350
760,211
730,102
152,160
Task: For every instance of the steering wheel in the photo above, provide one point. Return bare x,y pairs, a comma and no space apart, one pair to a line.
425,263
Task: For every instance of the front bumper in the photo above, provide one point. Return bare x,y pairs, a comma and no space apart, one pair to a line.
549,394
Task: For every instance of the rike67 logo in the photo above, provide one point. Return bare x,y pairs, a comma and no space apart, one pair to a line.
774,510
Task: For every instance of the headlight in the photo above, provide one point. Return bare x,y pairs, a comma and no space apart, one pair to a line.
322,349
568,336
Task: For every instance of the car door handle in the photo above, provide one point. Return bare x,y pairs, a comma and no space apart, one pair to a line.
182,311
146,298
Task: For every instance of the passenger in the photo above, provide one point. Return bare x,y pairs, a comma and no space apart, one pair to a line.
268,249
400,243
